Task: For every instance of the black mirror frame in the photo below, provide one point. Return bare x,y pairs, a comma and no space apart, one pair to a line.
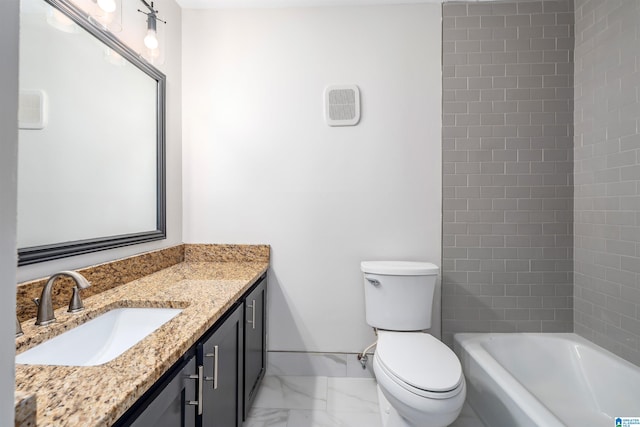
35,254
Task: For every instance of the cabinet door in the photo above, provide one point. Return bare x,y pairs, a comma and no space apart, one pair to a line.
176,404
255,349
221,357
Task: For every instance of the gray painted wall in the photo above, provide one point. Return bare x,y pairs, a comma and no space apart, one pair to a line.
8,185
607,175
507,167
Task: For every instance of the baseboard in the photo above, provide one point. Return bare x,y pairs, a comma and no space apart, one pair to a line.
286,363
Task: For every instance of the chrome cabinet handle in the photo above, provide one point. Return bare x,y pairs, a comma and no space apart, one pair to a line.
253,314
199,376
214,378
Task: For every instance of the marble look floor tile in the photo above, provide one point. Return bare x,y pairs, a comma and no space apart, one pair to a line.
264,417
292,392
330,402
304,418
352,395
306,364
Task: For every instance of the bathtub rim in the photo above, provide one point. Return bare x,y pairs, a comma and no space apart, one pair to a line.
567,336
517,402
510,392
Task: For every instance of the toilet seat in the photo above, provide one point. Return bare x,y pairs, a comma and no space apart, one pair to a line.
419,363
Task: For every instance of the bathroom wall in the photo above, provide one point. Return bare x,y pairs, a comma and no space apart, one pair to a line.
507,167
607,175
9,20
172,67
262,166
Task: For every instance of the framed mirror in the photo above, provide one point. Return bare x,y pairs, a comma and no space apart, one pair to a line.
91,168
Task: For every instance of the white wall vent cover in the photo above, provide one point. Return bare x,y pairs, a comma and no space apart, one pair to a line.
32,109
342,105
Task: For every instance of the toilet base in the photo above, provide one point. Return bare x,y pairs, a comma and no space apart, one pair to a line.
390,417
407,409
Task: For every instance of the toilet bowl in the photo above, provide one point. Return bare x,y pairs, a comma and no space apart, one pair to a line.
419,379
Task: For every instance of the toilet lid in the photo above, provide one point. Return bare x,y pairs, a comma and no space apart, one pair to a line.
419,360
399,268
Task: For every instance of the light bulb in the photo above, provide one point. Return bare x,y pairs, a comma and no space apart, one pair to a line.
107,5
151,40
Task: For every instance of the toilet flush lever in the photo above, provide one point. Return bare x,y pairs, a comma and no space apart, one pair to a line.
374,282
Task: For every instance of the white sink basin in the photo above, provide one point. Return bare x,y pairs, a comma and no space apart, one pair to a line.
99,340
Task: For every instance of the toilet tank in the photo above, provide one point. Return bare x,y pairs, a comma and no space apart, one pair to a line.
399,294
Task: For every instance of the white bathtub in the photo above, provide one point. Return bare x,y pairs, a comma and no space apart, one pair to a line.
546,380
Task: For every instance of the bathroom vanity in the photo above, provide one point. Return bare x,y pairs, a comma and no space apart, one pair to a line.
200,368
212,383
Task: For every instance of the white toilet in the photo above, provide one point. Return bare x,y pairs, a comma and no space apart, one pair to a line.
420,380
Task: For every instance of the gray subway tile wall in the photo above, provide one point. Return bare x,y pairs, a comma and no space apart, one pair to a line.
607,175
507,167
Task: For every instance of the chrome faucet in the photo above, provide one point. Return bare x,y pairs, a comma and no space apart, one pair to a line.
45,304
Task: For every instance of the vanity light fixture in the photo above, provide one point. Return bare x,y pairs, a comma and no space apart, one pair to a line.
151,39
107,14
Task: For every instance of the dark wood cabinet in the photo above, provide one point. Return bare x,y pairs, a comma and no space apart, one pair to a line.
175,404
221,355
255,342
215,382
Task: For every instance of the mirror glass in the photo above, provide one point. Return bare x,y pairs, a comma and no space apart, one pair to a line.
91,138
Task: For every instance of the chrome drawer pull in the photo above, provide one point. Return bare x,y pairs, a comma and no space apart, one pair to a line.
214,378
199,376
253,314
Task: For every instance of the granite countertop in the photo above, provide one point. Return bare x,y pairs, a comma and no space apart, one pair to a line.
99,395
